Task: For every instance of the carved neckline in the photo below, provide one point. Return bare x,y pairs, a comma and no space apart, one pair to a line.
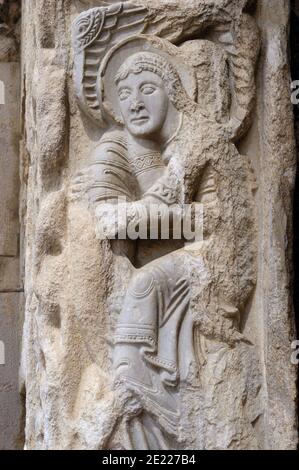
152,159
147,161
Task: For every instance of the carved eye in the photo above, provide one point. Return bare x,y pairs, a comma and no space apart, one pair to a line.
148,89
124,93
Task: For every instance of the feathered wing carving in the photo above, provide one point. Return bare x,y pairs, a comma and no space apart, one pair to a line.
242,44
96,30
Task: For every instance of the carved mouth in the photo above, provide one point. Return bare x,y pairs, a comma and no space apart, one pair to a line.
140,120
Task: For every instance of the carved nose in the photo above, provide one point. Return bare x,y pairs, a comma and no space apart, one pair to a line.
137,106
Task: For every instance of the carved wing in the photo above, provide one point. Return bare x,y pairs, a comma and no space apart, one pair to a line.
94,32
242,44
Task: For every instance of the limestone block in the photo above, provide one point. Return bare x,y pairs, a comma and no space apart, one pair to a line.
9,274
11,406
9,159
11,423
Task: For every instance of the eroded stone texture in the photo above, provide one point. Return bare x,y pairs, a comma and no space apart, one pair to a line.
157,344
278,156
295,74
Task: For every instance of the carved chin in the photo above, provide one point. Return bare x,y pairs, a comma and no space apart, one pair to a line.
143,128
143,131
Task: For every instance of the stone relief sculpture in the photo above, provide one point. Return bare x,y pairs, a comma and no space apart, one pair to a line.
138,341
224,22
184,375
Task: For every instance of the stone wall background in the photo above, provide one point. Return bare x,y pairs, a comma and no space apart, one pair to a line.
295,76
11,406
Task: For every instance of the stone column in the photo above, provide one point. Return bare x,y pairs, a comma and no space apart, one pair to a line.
154,344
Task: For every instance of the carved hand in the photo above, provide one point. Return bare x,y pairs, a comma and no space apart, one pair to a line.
112,220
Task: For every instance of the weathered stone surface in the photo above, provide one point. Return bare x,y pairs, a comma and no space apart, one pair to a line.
9,274
158,344
11,408
11,419
9,135
295,75
278,160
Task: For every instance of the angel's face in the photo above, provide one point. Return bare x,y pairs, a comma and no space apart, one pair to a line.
143,103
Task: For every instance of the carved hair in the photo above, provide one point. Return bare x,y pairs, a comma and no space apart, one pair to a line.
152,62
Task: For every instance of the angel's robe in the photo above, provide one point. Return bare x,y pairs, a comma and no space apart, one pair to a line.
153,339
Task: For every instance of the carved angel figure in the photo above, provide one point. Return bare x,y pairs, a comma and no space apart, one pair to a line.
182,310
163,149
